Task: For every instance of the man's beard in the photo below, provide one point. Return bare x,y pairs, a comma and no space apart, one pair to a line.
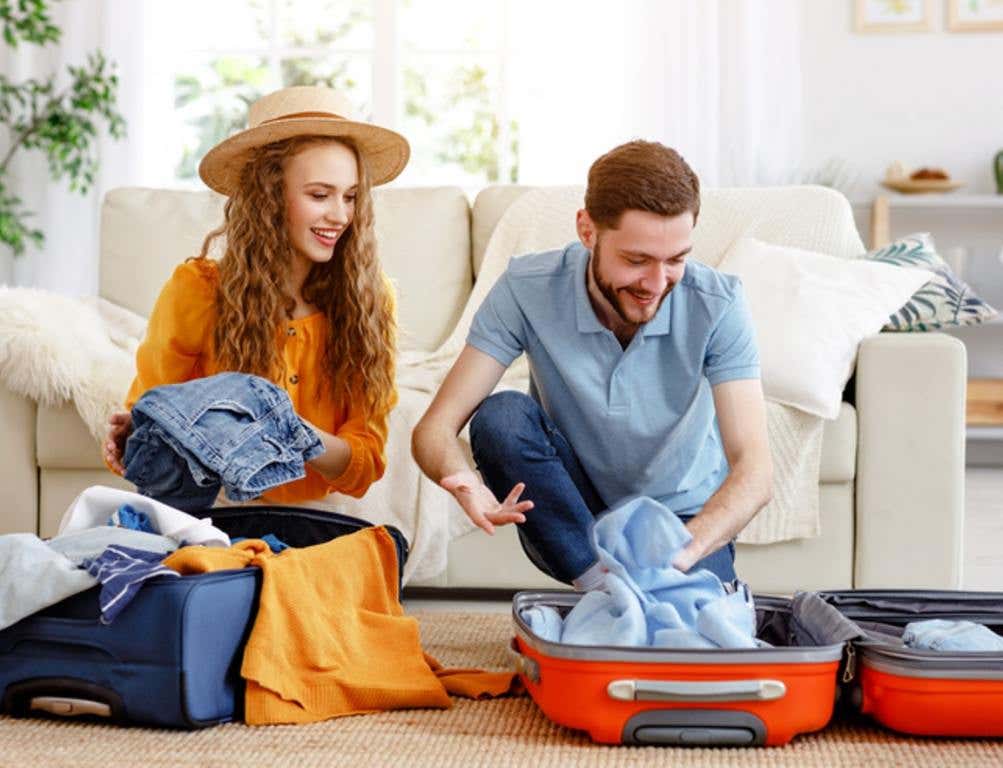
613,297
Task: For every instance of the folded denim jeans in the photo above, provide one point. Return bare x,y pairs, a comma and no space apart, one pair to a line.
232,430
943,635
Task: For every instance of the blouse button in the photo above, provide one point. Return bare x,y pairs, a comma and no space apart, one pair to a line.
294,379
290,331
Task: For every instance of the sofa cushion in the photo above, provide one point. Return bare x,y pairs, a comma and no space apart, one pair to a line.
489,206
839,447
944,302
808,339
63,442
145,233
424,241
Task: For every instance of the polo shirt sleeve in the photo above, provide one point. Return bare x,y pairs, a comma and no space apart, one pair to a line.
731,351
499,326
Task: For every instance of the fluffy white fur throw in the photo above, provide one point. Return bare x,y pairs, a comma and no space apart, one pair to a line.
55,349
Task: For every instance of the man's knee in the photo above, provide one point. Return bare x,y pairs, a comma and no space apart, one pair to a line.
502,411
500,421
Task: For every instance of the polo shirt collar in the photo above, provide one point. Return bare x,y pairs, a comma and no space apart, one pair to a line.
586,315
659,324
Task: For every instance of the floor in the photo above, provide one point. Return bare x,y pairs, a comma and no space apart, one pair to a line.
983,553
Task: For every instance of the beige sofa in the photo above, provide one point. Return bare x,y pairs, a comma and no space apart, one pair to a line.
893,462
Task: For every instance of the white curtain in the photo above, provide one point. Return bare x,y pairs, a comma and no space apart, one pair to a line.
719,80
67,262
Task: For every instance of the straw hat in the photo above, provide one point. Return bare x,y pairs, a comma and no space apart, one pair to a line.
303,111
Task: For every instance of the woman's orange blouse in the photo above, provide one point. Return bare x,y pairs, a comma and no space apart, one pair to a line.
178,348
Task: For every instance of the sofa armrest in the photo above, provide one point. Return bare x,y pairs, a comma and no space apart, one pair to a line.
18,464
910,496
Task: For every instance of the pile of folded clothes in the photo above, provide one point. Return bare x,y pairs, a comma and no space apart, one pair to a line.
231,430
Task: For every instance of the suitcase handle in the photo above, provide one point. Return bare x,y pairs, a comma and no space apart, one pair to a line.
524,665
686,691
65,696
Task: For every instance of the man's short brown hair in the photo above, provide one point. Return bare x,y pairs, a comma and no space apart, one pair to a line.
642,176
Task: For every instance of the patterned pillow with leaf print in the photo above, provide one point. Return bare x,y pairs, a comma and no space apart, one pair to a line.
945,301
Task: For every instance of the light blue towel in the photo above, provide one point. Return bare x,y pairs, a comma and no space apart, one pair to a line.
943,635
545,622
645,600
609,616
33,576
730,621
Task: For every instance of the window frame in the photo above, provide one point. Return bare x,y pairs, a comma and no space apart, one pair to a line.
385,58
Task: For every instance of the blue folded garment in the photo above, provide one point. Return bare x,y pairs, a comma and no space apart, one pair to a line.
645,600
126,517
121,572
275,544
943,635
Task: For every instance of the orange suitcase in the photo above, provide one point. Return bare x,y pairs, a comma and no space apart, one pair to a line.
627,695
923,692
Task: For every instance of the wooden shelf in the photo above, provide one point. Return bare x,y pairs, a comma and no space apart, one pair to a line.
953,200
984,406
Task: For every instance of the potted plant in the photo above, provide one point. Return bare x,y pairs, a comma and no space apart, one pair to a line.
60,122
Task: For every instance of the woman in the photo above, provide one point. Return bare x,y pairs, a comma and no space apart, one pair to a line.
298,296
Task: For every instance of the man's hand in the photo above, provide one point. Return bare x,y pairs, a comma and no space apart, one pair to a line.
481,505
119,429
688,556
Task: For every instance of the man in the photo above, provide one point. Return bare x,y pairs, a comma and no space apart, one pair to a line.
645,381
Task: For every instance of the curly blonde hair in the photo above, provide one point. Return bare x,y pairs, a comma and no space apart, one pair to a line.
252,303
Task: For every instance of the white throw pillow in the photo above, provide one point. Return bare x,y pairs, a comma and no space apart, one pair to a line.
810,312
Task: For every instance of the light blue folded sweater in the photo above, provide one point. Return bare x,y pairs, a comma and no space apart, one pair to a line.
943,635
644,600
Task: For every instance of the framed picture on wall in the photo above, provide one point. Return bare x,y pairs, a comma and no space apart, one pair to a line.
974,15
892,16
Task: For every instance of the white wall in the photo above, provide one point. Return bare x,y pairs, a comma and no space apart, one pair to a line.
923,98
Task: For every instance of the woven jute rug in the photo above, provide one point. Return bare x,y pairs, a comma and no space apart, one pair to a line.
503,732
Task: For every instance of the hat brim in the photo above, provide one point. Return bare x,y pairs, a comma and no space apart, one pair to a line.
385,152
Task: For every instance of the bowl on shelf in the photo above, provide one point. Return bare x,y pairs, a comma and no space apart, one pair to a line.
915,186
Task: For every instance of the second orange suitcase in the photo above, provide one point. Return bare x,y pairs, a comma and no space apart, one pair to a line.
924,692
627,695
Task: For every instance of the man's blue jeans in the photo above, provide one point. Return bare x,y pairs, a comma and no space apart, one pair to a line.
514,441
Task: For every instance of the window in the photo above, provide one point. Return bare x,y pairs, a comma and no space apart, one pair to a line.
432,69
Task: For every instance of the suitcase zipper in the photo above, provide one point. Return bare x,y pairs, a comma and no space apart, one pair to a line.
851,662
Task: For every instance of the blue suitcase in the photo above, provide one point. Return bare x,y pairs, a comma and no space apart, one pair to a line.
172,657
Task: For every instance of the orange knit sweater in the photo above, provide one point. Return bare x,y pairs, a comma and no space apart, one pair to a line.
178,348
331,637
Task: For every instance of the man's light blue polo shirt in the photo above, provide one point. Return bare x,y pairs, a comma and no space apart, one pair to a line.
640,419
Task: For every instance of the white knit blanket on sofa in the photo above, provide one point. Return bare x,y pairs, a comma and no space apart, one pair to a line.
55,349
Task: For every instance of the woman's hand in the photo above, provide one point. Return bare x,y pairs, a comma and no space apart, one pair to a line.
119,429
